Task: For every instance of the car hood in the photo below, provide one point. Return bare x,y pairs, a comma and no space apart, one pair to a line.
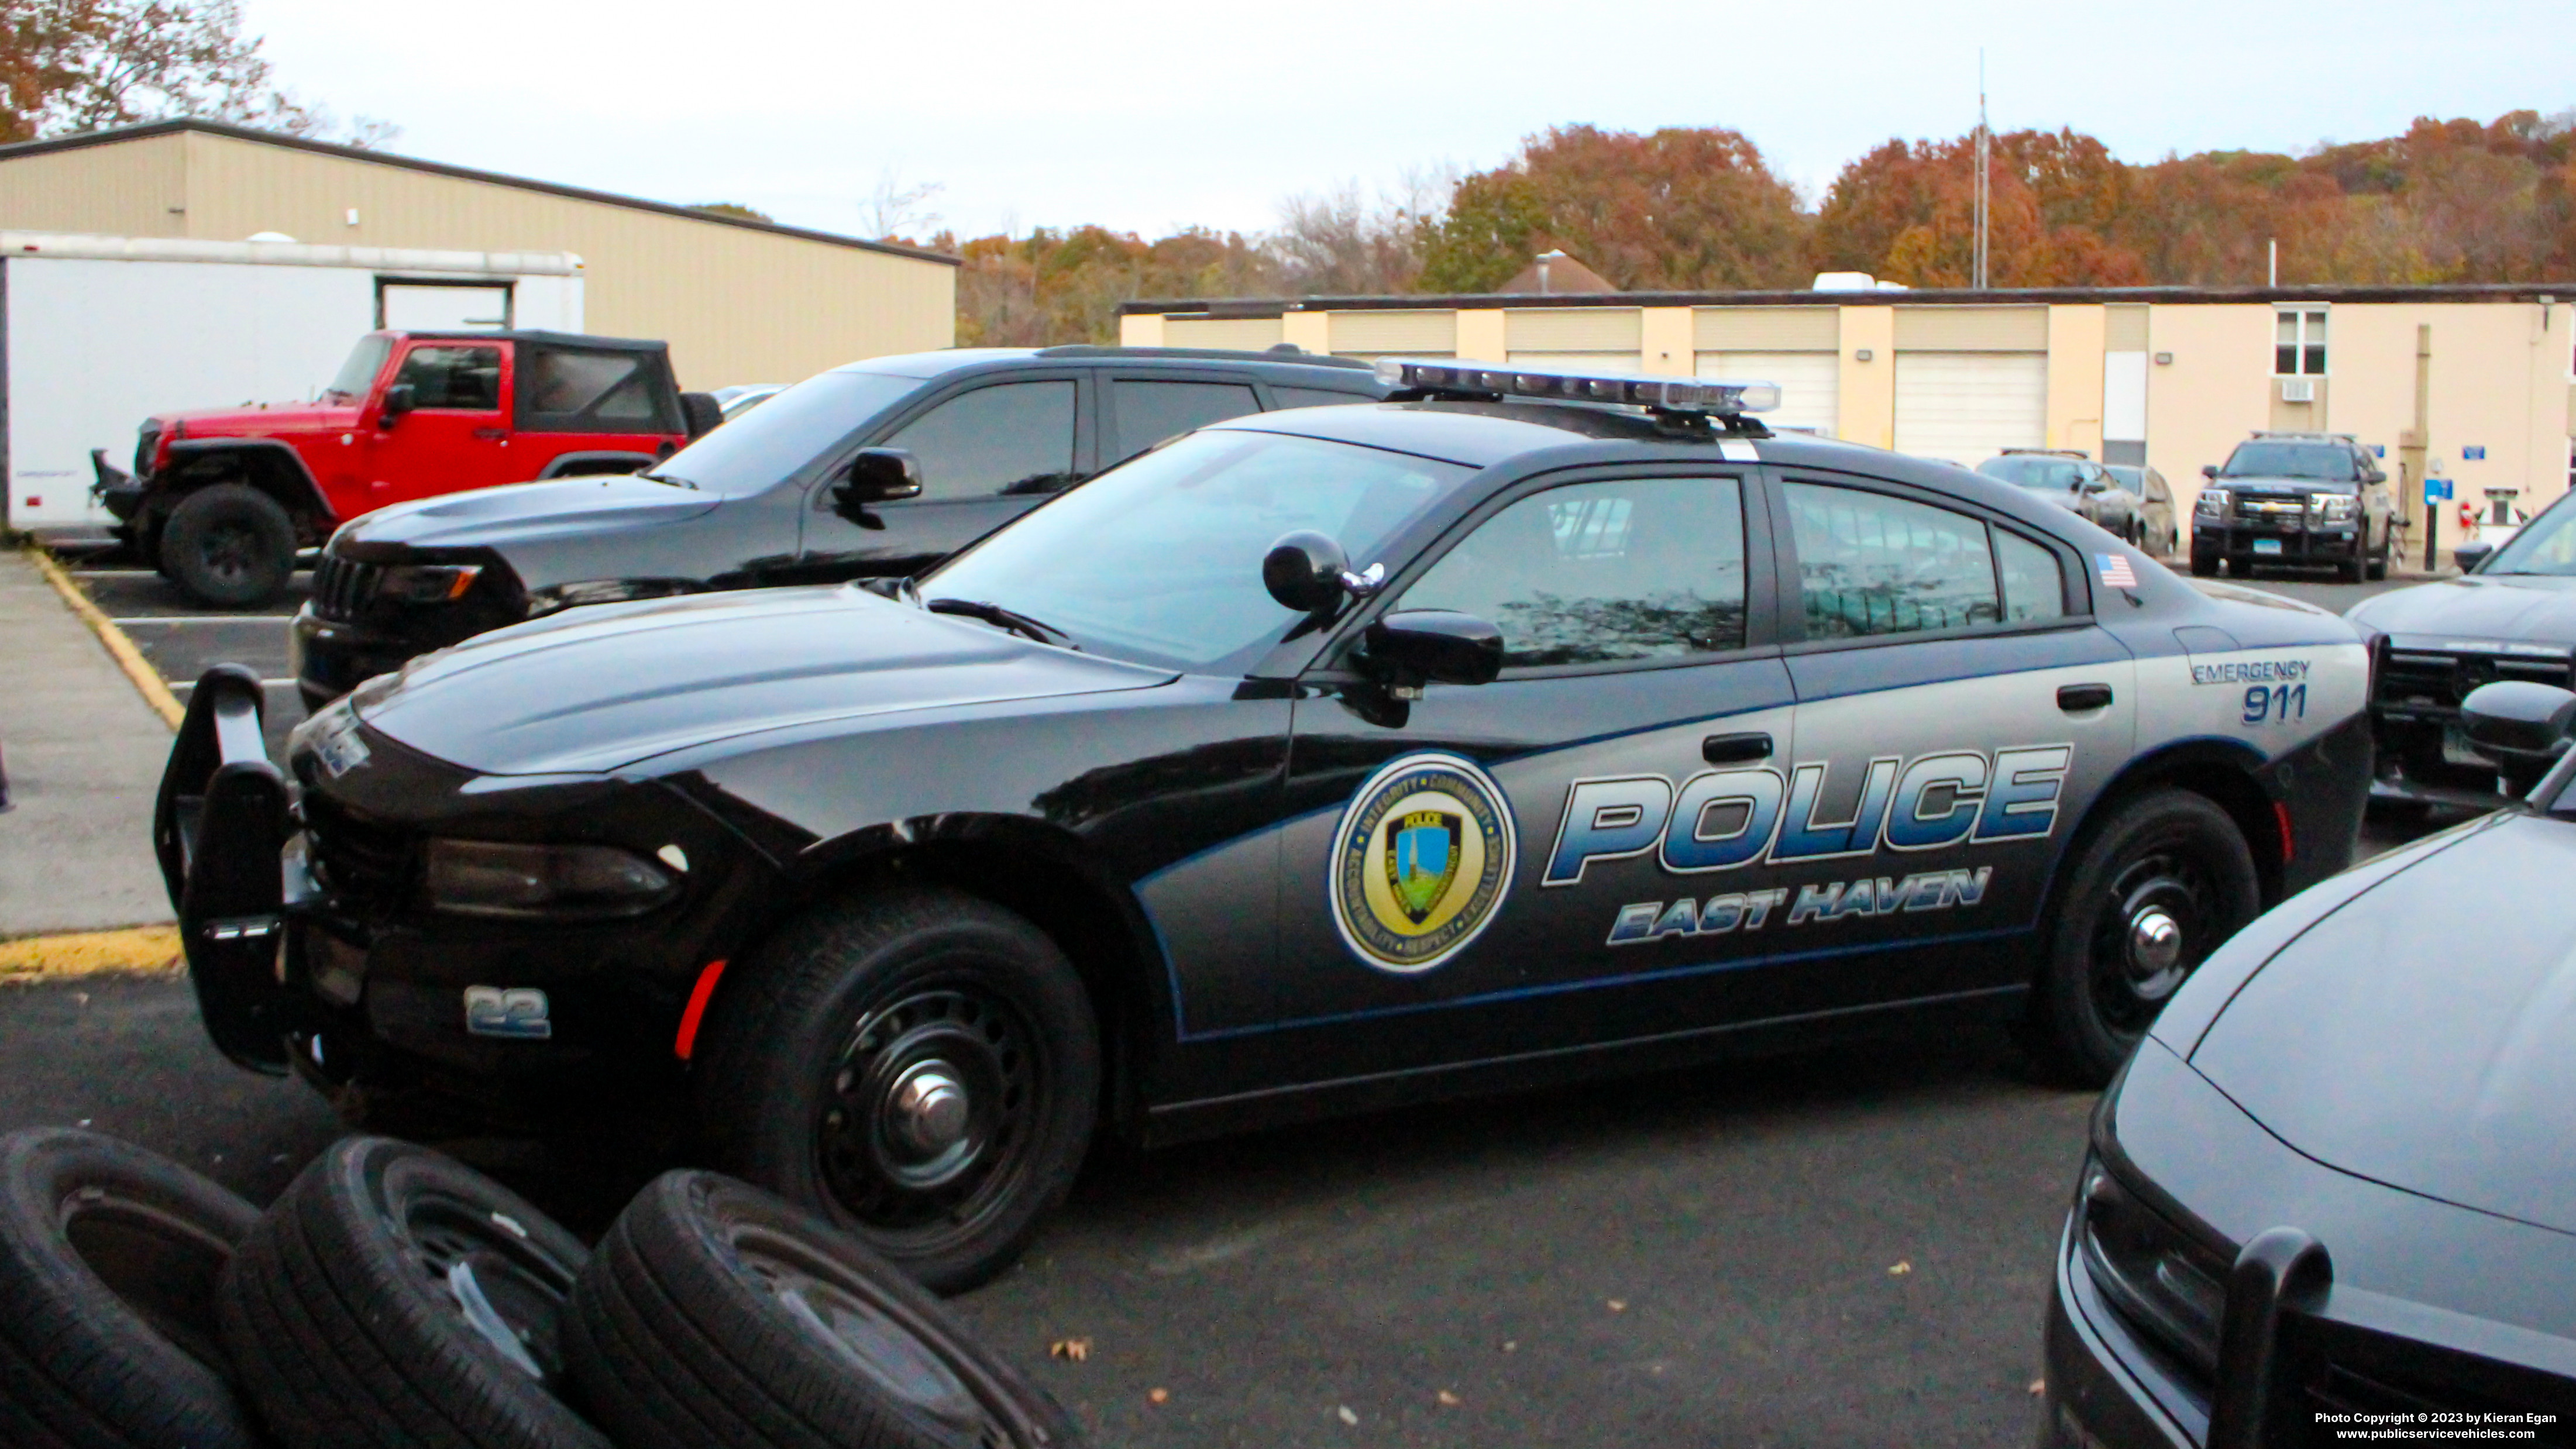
602,688
526,512
2423,1035
256,420
2528,608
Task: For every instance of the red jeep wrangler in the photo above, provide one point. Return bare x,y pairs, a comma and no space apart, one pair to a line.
220,500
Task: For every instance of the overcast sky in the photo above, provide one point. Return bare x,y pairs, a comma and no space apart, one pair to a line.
1148,117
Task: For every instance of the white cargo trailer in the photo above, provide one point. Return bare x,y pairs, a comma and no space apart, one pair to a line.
101,332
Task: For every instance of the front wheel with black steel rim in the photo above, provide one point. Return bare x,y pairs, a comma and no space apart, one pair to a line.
921,1066
2156,886
229,545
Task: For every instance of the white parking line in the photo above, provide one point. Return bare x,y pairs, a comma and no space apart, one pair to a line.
209,619
177,684
76,571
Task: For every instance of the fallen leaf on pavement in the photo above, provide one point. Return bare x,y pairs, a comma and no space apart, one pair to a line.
1510,1347
1159,1395
1345,1415
1900,1270
1618,1305
2039,1386
1075,1349
1449,1398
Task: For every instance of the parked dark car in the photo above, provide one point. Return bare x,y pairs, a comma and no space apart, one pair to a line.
2073,481
1319,761
2510,616
2155,506
985,434
2311,499
2331,1198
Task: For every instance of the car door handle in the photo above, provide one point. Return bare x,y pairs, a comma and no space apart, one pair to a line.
1735,749
2077,698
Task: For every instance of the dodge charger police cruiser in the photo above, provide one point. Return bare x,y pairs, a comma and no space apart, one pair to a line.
1532,725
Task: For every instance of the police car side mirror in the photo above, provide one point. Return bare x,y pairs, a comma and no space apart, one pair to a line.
2471,554
876,475
1412,647
2520,725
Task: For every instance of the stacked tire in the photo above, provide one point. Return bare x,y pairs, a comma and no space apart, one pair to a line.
393,1297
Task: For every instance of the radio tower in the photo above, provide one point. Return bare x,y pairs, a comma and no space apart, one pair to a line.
1983,143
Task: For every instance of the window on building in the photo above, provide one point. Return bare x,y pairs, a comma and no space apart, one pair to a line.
1603,573
2299,342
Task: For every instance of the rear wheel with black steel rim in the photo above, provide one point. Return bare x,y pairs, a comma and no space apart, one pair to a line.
2157,884
920,1066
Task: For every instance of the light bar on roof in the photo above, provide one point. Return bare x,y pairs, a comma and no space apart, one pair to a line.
1630,389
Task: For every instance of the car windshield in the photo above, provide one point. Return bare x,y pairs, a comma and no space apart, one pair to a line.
359,373
2324,462
1158,561
2048,475
2545,545
755,449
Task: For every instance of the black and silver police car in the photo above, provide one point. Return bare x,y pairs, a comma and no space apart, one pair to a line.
2329,1198
1536,724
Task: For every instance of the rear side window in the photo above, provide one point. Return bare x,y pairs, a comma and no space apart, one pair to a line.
1603,573
453,377
2034,584
1013,437
1148,412
612,392
1870,564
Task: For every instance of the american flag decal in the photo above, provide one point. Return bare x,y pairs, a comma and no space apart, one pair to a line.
2115,570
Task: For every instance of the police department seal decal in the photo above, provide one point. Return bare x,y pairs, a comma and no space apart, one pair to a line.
1420,863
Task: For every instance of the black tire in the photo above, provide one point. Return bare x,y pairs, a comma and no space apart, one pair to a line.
2352,570
109,1256
965,1006
717,1316
351,1310
229,545
2204,565
2168,853
2379,561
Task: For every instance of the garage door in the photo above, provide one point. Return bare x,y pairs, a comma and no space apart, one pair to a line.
1577,361
1810,384
1968,406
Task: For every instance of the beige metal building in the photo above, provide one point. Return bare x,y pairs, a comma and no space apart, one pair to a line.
739,301
2172,376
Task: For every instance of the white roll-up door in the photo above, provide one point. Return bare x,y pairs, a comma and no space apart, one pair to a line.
1810,384
1968,406
1578,361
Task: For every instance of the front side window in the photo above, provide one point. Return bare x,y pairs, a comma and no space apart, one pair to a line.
1013,437
1158,561
1603,573
1870,564
2299,342
467,378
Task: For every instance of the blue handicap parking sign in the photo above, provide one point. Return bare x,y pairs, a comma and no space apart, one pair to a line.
2437,490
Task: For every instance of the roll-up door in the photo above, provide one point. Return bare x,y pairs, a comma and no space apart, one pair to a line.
1968,406
1810,384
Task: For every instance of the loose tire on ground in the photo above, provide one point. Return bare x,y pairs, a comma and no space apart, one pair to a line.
921,1066
109,1256
2167,854
718,1316
229,545
395,1298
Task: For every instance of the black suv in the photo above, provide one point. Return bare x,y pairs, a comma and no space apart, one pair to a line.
877,469
2296,498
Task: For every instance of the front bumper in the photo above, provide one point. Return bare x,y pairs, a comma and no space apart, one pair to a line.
2274,542
2099,1375
310,949
329,658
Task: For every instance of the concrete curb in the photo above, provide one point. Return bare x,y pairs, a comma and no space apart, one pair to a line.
147,680
139,950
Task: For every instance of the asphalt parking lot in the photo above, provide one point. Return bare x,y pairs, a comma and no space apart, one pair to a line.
1847,1247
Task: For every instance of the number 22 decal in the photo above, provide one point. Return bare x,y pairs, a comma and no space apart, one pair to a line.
2266,704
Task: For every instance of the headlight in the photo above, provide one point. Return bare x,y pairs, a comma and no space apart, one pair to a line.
493,878
606,591
2335,507
427,583
2212,504
2168,1286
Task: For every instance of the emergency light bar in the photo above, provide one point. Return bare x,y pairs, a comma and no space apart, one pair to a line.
1629,389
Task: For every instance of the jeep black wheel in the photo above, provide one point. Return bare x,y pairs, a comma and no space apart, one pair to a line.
2158,884
920,1066
229,545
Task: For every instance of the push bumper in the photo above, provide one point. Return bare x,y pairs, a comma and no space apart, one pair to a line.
220,828
2270,543
119,492
330,658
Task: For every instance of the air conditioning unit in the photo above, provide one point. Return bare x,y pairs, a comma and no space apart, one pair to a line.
2298,389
